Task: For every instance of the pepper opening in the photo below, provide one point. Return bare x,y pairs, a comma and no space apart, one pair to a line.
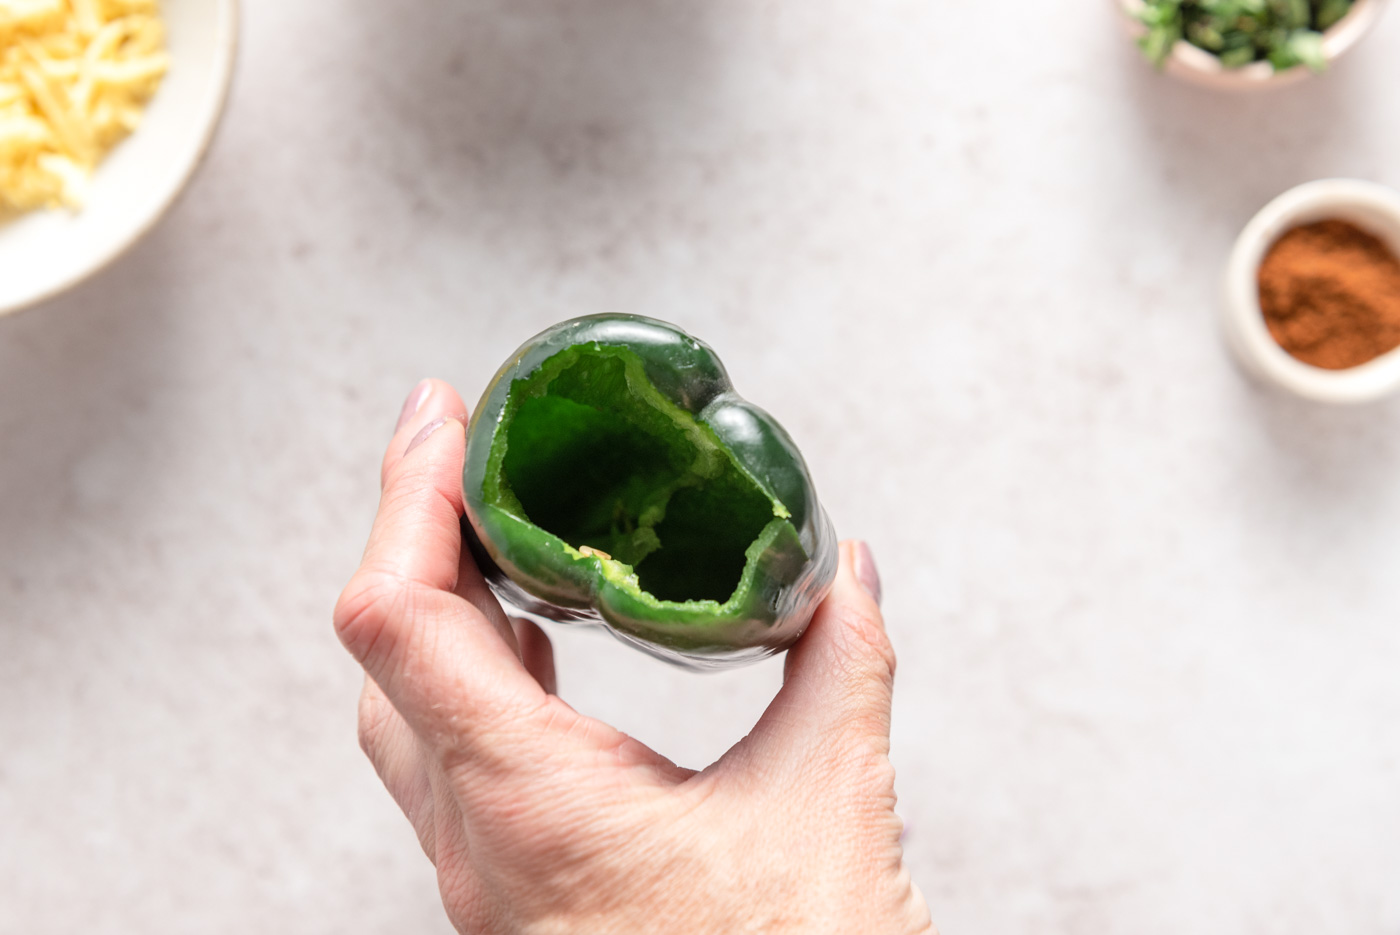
597,456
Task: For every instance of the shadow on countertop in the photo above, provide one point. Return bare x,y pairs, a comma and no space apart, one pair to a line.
80,415
1230,153
528,107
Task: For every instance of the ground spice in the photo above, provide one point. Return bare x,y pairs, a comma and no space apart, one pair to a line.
1330,293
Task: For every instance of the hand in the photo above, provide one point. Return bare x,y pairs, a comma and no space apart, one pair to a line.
540,820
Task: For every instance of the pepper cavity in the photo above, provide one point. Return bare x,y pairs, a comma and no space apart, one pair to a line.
596,456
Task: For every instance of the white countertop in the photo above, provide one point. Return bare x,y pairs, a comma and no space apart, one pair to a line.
1148,615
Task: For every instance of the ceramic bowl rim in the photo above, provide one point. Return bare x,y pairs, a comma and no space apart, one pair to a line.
1195,65
227,29
1370,205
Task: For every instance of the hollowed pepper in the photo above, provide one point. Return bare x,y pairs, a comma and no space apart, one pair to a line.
613,475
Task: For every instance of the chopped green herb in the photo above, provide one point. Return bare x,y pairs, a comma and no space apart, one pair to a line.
1330,11
1285,33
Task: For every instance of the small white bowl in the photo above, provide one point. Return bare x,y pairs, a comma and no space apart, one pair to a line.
43,253
1197,66
1372,207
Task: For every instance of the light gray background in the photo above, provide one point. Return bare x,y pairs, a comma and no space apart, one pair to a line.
1146,612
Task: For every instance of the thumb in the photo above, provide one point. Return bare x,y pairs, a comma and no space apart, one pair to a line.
838,680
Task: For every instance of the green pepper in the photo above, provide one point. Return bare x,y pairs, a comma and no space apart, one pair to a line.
613,475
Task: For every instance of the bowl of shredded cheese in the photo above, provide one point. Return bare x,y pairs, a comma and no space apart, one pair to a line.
106,108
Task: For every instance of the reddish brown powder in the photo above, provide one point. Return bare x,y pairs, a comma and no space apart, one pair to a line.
1330,293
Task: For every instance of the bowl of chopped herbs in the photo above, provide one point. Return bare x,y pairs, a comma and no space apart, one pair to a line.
1247,44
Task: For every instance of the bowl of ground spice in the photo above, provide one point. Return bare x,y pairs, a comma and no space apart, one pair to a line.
1313,292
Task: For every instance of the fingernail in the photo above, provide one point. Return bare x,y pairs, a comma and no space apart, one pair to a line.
423,434
866,572
415,401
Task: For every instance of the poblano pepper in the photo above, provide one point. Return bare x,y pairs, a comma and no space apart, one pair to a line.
613,475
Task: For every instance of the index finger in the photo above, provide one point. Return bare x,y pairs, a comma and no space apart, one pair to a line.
443,663
442,563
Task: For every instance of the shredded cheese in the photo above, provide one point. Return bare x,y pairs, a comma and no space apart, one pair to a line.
75,76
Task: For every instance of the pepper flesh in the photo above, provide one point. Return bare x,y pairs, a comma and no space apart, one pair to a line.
613,475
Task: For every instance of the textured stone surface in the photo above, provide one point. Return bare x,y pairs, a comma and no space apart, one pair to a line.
1147,613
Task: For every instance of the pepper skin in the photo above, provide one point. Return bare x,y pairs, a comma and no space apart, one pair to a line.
613,475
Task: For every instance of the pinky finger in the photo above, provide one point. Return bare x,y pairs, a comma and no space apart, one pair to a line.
536,653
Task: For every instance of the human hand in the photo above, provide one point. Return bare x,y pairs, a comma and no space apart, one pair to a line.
541,820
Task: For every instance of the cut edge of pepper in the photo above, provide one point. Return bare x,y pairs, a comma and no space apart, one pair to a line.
498,493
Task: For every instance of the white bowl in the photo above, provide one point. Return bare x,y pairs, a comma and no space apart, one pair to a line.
43,253
1373,207
1197,66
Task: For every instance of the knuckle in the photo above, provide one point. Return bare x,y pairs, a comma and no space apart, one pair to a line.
869,643
857,760
861,737
535,747
363,612
404,479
